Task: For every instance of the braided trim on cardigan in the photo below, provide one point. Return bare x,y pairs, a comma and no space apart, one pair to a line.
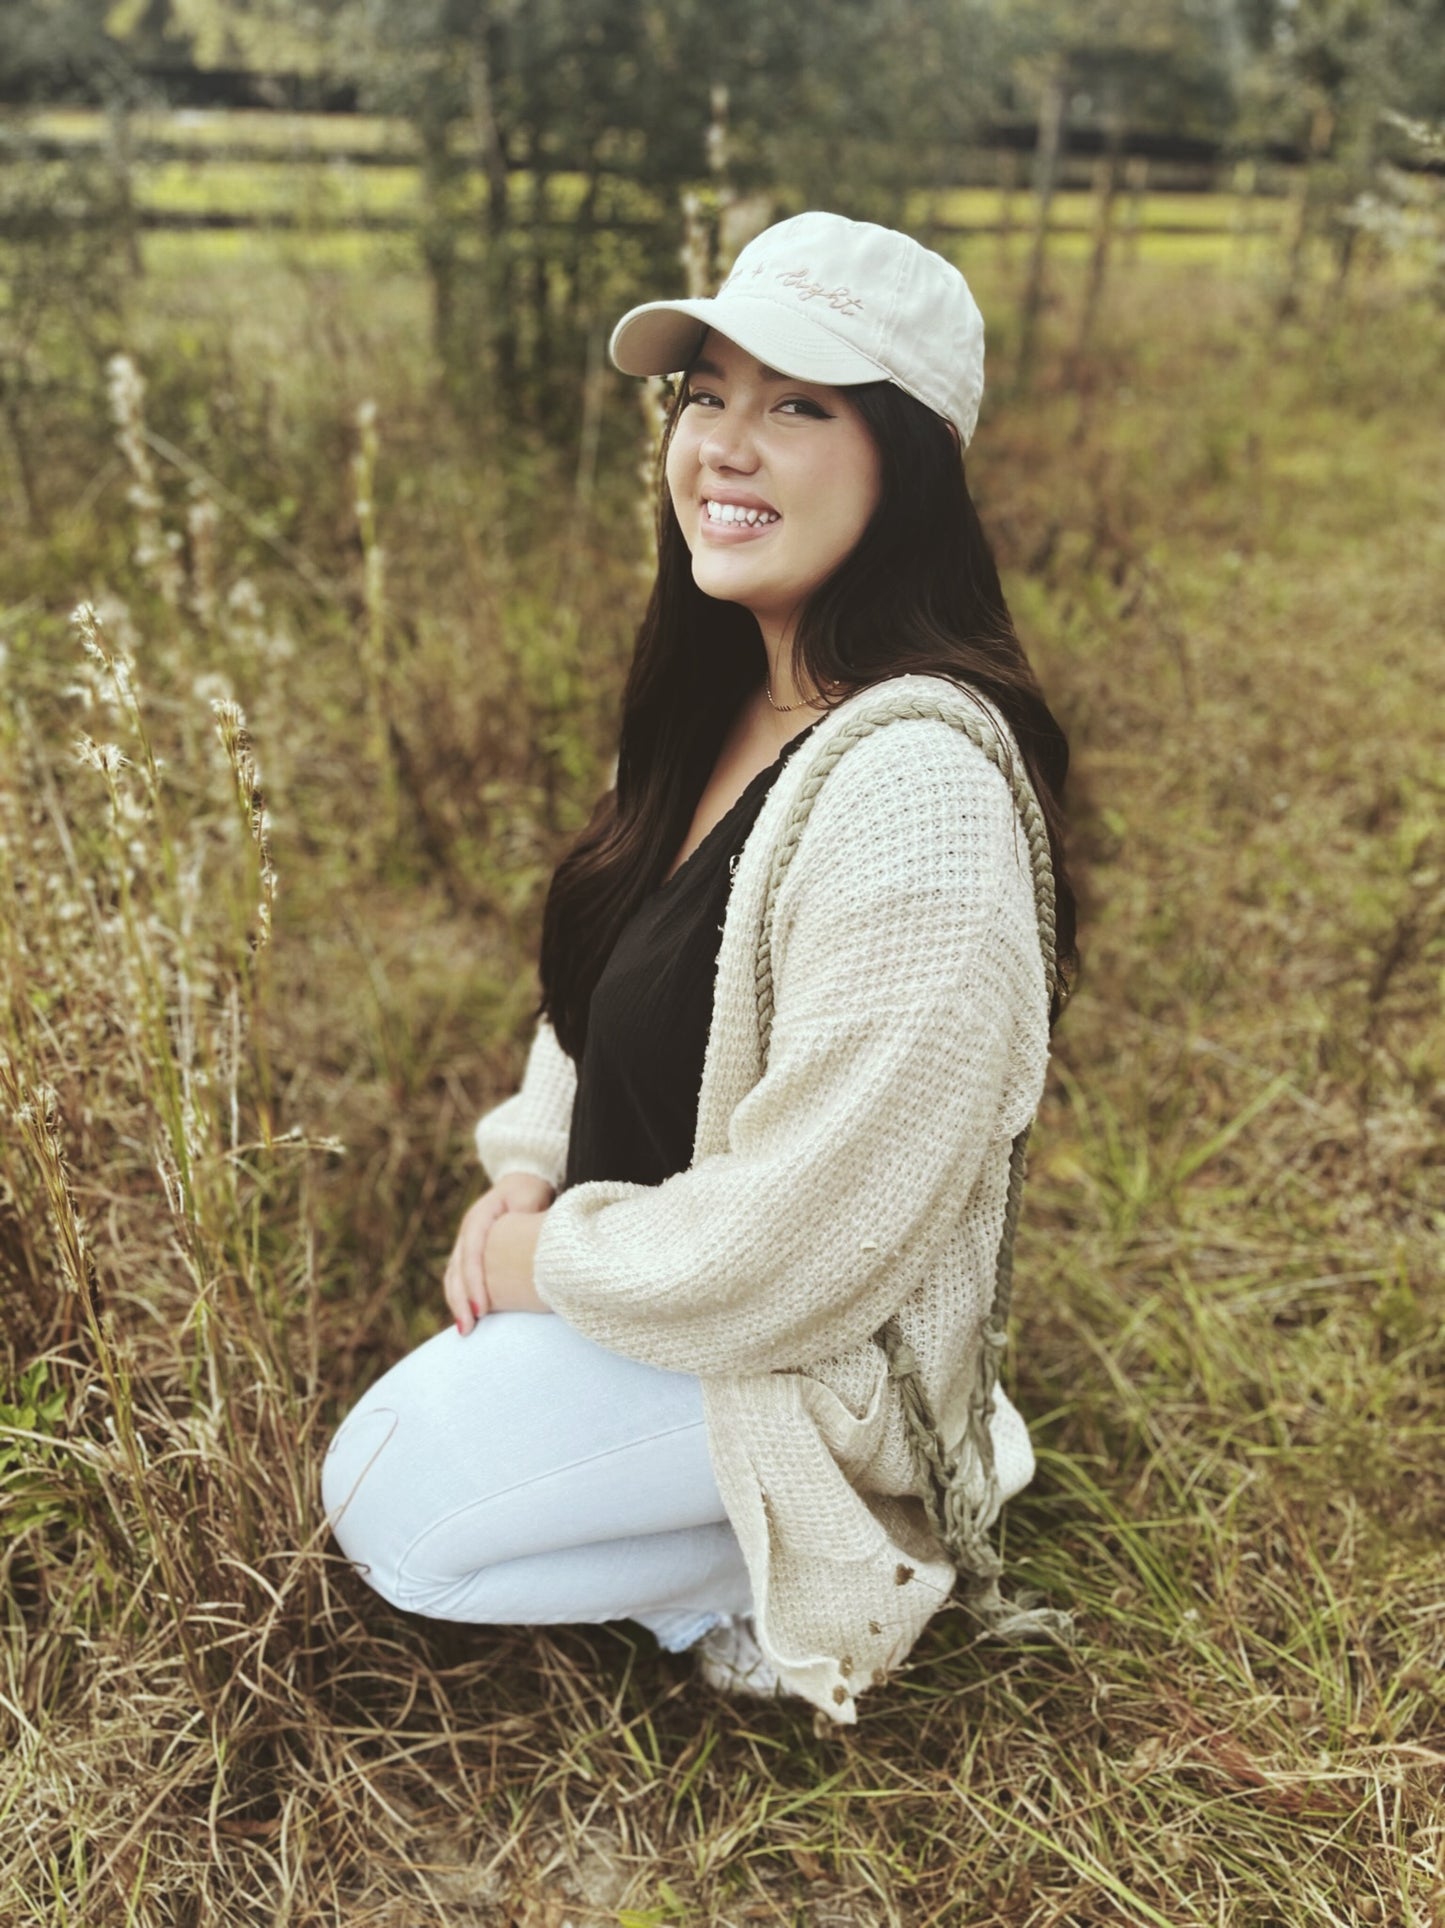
958,1524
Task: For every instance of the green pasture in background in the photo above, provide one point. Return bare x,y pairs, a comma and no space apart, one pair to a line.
296,168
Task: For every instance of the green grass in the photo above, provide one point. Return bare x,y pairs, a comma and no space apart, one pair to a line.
320,195
325,193
244,254
981,207
1222,542
289,134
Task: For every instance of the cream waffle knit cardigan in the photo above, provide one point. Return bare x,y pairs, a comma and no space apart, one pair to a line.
861,1173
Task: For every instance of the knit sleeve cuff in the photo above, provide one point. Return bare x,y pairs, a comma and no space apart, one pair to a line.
529,1131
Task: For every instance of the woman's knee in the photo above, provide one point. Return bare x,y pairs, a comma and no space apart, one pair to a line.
516,1440
356,1503
421,1441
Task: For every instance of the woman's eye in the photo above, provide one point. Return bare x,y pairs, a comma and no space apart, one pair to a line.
805,407
692,395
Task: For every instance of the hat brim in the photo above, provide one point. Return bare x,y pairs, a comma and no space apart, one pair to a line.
661,337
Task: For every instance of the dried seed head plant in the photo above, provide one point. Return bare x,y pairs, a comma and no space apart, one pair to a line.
373,598
159,1316
235,740
156,550
202,519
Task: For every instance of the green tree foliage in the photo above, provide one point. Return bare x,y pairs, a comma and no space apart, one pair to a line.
64,272
68,227
1329,74
569,148
850,101
579,112
1346,57
1116,63
50,48
1162,63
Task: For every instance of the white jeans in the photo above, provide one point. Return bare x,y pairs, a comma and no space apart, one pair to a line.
525,1475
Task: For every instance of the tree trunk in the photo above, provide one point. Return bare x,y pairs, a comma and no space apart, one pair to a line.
1361,158
539,344
594,392
117,122
438,230
1008,180
1322,127
700,223
24,471
1136,184
696,246
500,321
579,245
1245,185
1052,109
1108,175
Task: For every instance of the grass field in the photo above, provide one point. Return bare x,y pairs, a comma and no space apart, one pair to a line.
1223,541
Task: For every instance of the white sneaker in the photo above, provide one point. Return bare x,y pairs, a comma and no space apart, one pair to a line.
730,1659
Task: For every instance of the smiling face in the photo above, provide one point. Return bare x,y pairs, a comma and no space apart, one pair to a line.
773,481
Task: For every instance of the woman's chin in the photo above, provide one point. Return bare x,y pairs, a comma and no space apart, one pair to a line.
724,584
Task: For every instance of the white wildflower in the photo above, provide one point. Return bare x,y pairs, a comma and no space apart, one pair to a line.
84,618
202,521
213,688
155,551
170,1178
244,620
107,758
243,602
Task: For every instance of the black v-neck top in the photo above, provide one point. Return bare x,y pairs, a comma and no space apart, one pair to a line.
635,1113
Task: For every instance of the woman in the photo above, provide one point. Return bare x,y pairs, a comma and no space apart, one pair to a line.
794,1021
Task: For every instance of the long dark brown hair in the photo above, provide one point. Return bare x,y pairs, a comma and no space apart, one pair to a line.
919,594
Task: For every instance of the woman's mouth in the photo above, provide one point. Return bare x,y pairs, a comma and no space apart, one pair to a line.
736,520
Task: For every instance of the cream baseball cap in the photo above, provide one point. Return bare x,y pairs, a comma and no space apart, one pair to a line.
825,299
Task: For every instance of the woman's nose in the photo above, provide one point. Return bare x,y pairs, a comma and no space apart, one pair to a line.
729,444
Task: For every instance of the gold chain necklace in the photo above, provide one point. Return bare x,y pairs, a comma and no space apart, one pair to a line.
805,703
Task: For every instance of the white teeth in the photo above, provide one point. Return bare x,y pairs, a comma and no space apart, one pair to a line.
733,512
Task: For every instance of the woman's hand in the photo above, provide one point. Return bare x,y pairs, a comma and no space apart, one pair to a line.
511,1256
466,1285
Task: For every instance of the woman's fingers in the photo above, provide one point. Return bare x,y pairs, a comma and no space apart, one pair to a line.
465,1281
472,1245
455,1293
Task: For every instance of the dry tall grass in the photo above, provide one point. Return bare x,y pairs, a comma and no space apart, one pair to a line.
1226,554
